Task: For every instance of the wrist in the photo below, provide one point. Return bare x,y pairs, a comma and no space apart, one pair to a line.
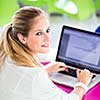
82,85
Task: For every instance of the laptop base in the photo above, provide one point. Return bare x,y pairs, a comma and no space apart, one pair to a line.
71,81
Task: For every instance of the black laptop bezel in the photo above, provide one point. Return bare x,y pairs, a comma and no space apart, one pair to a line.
93,70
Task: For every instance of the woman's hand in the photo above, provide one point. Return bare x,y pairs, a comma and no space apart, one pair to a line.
84,76
55,67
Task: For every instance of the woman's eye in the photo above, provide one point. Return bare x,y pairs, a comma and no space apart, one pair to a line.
39,33
48,30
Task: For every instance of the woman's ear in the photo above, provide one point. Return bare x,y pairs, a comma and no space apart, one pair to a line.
21,38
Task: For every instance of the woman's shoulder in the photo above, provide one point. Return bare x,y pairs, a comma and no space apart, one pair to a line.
11,66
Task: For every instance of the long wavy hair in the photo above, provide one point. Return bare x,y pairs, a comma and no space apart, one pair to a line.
10,45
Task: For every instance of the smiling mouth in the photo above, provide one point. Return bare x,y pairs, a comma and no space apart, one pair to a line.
45,45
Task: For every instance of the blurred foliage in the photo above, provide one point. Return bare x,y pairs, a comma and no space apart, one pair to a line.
85,8
7,9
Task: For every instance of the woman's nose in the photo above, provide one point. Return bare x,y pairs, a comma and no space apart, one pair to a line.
47,36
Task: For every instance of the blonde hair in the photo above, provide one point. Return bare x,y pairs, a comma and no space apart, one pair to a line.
9,42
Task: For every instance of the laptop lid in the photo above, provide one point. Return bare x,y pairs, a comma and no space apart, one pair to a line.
79,49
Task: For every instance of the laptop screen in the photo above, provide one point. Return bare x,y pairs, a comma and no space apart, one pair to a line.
80,49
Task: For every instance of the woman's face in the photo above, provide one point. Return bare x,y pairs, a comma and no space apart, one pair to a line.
39,36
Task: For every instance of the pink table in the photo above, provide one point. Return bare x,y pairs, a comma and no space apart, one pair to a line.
92,94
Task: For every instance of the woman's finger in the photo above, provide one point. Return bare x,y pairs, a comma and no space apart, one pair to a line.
78,71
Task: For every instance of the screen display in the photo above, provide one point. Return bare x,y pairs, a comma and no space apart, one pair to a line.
79,48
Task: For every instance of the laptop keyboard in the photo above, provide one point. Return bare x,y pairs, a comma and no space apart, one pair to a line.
71,72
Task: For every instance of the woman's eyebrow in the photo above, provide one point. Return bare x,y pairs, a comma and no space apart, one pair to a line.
41,29
37,30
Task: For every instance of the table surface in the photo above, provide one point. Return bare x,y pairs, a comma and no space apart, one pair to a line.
92,94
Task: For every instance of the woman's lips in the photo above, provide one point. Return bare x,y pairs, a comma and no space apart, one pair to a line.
45,45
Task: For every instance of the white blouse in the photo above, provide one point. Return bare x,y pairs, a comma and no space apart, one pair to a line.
25,83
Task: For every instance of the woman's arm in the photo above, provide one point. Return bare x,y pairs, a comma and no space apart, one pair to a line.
84,78
55,67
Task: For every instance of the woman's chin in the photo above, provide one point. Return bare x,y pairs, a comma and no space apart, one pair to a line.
45,51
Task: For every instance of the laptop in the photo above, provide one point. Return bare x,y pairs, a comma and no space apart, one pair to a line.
80,49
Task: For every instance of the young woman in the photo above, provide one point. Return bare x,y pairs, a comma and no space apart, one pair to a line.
22,77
